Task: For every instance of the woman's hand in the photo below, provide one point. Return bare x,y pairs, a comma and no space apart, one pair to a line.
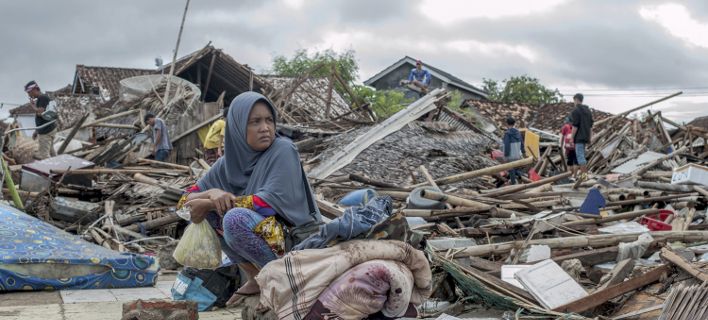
199,209
222,200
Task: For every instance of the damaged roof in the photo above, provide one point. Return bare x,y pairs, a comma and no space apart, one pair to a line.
214,72
103,81
547,117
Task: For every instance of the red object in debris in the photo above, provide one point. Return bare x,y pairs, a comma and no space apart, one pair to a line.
497,154
533,175
656,222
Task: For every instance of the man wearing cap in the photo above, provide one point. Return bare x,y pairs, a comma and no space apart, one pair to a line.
420,77
45,119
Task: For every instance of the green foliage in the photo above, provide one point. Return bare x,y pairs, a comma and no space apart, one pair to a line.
321,64
455,100
385,103
521,89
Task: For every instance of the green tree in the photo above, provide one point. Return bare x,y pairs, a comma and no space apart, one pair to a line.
384,103
321,64
521,89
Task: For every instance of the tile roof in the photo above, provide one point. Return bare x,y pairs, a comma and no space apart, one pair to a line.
548,117
104,81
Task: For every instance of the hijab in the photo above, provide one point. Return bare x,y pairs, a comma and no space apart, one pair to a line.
274,175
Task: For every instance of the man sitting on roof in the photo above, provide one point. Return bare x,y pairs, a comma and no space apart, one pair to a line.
420,77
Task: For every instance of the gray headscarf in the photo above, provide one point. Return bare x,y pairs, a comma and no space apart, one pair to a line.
275,175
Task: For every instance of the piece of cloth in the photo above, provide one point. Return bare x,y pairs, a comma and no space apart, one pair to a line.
162,155
45,147
594,201
49,114
211,155
580,154
354,222
567,136
290,286
581,118
422,76
241,242
215,136
571,158
371,287
165,143
274,175
513,145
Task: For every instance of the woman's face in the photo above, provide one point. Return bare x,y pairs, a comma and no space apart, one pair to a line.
260,132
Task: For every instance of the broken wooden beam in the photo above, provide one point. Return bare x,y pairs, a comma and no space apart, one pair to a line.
481,172
599,297
678,261
521,187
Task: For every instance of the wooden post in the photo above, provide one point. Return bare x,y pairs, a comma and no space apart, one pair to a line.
174,56
72,133
211,69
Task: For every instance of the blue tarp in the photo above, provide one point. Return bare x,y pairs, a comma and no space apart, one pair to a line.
29,245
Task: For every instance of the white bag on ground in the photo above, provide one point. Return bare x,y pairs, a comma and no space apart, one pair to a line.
199,247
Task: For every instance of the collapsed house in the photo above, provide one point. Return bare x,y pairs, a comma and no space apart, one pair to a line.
550,247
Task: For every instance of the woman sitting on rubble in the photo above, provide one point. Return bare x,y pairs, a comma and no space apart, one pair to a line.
258,179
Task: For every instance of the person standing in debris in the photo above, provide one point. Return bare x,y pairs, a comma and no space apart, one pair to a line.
213,144
253,192
45,119
582,121
567,144
513,148
420,77
161,139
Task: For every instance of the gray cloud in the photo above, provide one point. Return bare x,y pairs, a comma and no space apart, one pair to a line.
581,43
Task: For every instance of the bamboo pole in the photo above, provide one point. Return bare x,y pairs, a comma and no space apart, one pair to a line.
521,187
599,123
595,241
656,162
111,117
174,56
664,186
11,186
616,217
481,172
453,200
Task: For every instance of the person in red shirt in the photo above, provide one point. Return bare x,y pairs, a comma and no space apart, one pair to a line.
567,144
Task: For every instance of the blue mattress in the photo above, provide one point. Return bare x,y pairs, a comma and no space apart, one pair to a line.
35,255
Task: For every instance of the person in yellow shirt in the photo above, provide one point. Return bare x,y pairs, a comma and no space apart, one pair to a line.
213,144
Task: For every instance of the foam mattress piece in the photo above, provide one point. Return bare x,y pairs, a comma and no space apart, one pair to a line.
35,255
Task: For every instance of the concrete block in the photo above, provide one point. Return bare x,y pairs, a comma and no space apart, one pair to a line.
160,309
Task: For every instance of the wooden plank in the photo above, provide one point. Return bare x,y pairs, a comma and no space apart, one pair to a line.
600,297
621,270
677,260
591,257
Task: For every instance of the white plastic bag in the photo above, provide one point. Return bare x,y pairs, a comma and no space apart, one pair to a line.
199,247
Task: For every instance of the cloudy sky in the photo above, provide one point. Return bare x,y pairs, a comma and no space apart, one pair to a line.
619,53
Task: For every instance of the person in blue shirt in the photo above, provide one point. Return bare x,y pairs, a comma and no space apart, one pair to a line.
513,148
420,77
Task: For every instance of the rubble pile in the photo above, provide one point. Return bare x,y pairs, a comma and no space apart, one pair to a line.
633,230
